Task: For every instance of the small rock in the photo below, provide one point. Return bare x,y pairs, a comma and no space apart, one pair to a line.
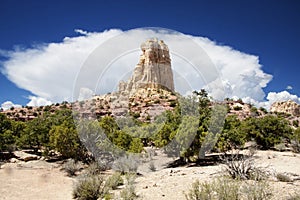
13,160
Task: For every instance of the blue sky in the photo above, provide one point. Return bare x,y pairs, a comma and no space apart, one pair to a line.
269,30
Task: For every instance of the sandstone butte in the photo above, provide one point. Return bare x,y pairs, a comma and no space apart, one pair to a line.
148,92
153,69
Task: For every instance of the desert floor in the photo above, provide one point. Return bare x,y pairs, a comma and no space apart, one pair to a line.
42,180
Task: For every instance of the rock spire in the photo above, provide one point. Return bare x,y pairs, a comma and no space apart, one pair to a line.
153,70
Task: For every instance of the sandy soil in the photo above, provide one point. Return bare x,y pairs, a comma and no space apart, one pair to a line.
34,180
42,180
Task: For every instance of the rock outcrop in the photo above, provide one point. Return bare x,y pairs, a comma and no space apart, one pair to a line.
289,107
148,93
21,155
153,70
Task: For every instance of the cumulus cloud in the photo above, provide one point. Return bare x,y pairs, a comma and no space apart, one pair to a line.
38,101
95,62
8,104
85,93
49,70
282,96
289,87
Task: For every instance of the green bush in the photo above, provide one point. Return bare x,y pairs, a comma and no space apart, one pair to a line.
65,140
295,123
6,134
136,146
266,131
263,110
296,140
231,136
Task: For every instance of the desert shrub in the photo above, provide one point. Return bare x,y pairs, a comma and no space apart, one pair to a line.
295,123
228,189
90,188
114,181
152,166
231,135
128,193
237,108
71,167
242,166
136,114
136,146
156,101
263,110
130,178
65,140
256,190
173,103
283,177
254,111
200,191
266,131
218,189
126,164
6,134
94,169
280,147
296,140
295,196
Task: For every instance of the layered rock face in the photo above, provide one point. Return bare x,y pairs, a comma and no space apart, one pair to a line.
289,107
153,70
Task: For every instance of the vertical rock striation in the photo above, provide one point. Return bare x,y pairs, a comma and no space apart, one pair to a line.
153,70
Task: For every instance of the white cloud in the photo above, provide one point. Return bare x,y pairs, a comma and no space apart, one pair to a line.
49,70
273,97
38,101
289,87
85,93
58,71
282,96
8,104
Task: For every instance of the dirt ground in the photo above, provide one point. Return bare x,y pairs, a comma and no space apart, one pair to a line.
42,180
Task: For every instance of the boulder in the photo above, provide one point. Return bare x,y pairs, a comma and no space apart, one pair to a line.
21,155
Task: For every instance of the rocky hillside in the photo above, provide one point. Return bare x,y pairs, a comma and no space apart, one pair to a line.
148,93
289,107
144,104
243,110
